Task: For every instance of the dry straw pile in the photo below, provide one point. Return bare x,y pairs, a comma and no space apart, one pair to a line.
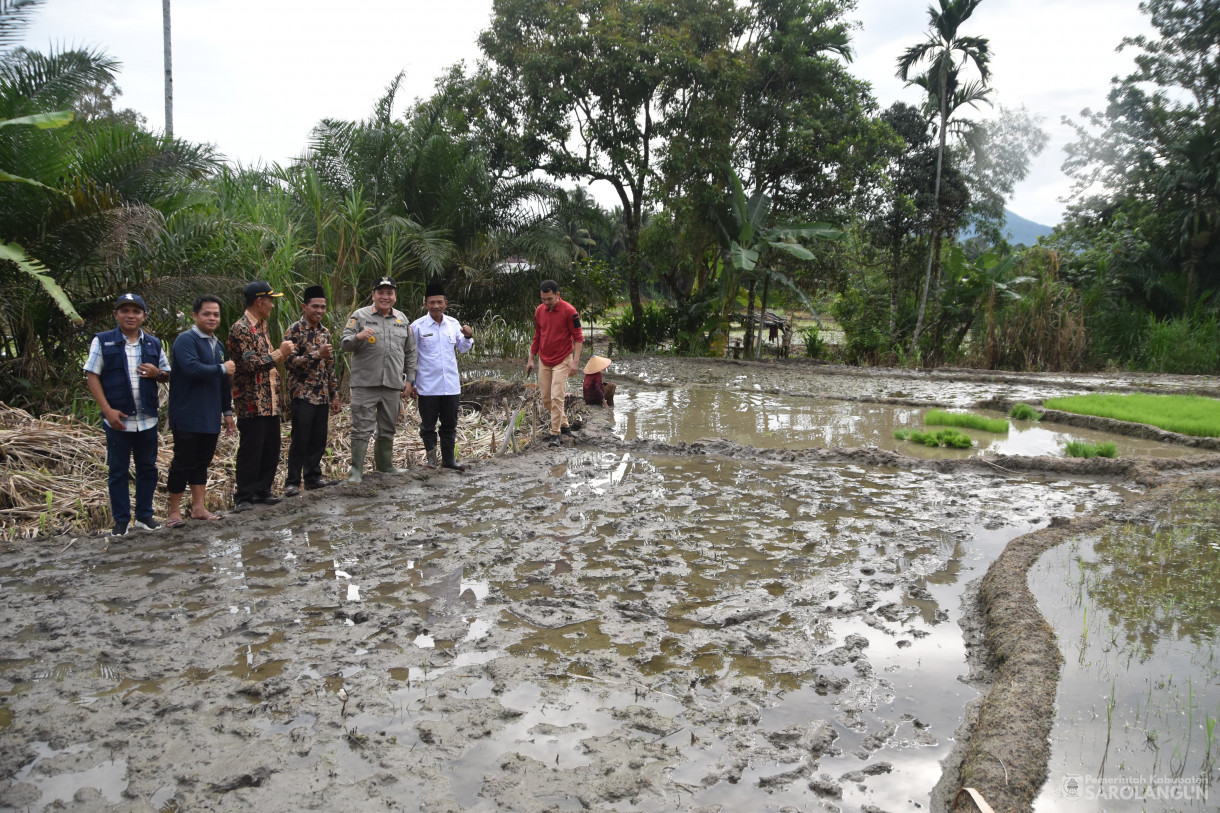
53,469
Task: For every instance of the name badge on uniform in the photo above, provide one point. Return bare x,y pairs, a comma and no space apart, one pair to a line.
426,335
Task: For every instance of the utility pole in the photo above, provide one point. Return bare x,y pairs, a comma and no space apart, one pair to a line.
169,73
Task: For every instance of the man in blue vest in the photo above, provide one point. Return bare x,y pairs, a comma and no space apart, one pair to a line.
122,373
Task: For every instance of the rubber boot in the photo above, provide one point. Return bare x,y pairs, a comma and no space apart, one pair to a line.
383,456
360,448
448,460
430,458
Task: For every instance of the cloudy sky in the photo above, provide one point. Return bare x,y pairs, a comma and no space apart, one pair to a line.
253,76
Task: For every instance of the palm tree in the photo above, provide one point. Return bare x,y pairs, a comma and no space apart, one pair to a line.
169,70
945,53
79,197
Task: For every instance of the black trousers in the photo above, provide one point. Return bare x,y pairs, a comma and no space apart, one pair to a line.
258,456
444,407
310,423
193,453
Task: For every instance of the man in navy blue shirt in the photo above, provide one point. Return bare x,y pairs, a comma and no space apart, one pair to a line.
122,372
200,398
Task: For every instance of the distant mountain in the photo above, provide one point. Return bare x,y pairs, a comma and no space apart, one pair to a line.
1017,230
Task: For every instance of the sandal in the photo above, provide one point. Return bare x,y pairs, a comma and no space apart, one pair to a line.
176,522
209,517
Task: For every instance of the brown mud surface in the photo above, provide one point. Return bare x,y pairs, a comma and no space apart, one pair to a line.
606,626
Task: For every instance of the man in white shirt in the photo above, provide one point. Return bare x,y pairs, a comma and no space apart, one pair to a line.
438,340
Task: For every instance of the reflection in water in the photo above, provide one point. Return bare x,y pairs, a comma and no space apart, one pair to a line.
768,421
1137,614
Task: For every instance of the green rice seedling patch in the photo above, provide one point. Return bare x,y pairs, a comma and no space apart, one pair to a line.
1024,412
1185,414
938,417
1078,448
941,437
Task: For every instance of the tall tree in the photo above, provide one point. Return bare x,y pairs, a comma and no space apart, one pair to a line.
1145,165
594,89
945,52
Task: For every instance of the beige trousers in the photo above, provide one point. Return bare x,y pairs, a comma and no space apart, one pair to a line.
553,384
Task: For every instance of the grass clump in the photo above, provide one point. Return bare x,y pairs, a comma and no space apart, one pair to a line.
1078,448
950,438
938,417
1024,412
1185,414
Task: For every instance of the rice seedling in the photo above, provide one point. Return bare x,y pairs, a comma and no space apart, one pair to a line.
1208,756
1079,448
939,417
1186,414
1024,412
950,438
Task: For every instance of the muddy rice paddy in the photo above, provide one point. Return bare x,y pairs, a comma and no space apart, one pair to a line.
733,592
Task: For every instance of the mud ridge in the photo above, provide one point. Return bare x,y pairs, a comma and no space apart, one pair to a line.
1142,470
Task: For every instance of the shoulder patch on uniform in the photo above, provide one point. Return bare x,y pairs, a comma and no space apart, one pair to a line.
351,321
576,320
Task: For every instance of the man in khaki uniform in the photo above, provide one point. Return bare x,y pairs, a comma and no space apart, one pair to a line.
382,374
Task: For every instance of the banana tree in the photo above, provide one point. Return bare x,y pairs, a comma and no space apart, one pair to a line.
745,236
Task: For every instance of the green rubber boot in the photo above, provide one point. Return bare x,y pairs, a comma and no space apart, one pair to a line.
360,448
383,456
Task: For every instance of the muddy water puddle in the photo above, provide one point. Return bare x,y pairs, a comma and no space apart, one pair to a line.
1138,620
769,421
828,597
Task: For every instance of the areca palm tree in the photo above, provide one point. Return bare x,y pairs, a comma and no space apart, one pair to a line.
936,65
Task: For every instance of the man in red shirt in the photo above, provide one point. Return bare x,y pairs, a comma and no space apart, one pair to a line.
557,343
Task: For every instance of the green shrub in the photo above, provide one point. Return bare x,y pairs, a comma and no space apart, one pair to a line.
1078,448
815,346
865,330
654,329
1181,346
938,417
1024,412
498,339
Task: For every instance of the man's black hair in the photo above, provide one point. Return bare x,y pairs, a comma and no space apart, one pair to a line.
550,286
198,306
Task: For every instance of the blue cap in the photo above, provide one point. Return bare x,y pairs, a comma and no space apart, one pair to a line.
130,299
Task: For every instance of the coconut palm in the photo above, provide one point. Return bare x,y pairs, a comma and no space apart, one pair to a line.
936,65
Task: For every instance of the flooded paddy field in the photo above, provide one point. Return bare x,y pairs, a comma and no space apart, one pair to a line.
773,421
1139,700
633,622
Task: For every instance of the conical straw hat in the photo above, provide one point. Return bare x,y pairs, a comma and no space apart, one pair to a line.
596,364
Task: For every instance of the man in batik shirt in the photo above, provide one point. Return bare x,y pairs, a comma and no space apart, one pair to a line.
314,392
256,398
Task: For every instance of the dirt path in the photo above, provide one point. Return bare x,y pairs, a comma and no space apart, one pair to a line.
606,626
